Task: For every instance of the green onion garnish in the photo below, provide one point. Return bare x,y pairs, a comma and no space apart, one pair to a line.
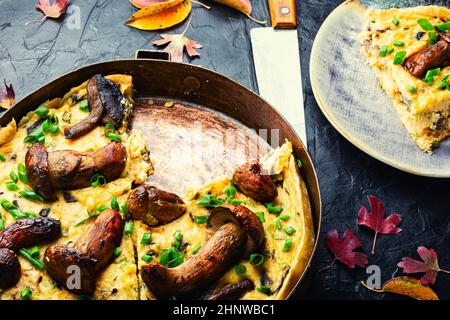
383,51
147,258
36,262
230,192
284,217
114,203
299,163
287,245
146,238
110,133
129,228
209,201
398,43
196,249
97,180
11,186
264,289
260,215
412,90
171,257
234,201
241,270
30,195
123,208
84,106
289,230
443,83
278,224
201,219
93,216
274,209
23,175
14,177
429,76
256,259
432,38
42,111
395,22
2,224
443,27
25,294
101,208
117,252
2,157
34,252
178,235
399,57
425,24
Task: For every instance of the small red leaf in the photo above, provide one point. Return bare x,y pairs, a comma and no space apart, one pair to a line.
145,3
53,10
342,249
8,97
375,219
429,265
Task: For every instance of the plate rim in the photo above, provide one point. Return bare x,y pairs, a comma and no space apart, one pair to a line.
324,108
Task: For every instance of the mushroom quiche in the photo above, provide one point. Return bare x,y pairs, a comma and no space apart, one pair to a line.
409,50
79,219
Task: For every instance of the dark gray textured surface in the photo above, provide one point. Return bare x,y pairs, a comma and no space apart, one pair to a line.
32,55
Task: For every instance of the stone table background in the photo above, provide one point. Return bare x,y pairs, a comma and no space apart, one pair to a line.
32,55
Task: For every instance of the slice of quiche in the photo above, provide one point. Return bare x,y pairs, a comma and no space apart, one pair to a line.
409,49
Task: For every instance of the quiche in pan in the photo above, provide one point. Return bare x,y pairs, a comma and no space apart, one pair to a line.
80,220
409,50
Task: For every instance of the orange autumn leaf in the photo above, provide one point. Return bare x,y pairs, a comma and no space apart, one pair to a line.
244,6
163,19
8,97
153,9
407,286
145,3
177,43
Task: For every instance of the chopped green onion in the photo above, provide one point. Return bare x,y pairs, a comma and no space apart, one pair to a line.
171,257
284,217
383,51
11,186
114,203
289,230
147,258
97,180
34,252
395,22
412,90
201,219
123,208
398,43
25,294
210,201
287,245
264,289
241,269
42,111
234,201
36,262
232,182
2,224
23,175
425,24
399,57
443,83
87,219
178,235
256,259
196,249
84,106
110,133
299,163
2,157
429,76
390,50
117,252
278,224
14,177
432,38
230,192
444,26
101,208
260,215
274,209
37,135
146,238
7,205
30,195
129,228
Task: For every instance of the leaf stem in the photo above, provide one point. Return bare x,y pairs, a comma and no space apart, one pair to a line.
374,242
263,22
444,271
333,263
36,21
201,4
188,25
369,288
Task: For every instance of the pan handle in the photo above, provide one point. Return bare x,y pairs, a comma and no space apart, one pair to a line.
152,54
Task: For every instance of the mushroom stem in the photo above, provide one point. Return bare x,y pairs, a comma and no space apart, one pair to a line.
201,269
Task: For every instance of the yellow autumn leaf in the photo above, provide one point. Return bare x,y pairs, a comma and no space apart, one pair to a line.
153,9
164,19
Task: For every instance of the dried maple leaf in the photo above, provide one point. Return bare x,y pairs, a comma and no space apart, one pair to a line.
342,249
406,286
51,10
8,97
429,265
177,43
375,220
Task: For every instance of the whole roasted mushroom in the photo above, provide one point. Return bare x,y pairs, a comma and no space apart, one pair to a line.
21,234
67,169
254,182
154,206
91,253
106,104
233,229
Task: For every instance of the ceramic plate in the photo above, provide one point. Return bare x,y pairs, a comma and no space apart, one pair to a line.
348,93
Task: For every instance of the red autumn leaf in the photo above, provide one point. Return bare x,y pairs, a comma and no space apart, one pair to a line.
177,43
429,265
145,3
8,97
51,10
342,249
375,220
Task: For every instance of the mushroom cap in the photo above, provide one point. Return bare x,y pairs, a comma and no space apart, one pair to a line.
254,182
10,270
246,218
36,161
